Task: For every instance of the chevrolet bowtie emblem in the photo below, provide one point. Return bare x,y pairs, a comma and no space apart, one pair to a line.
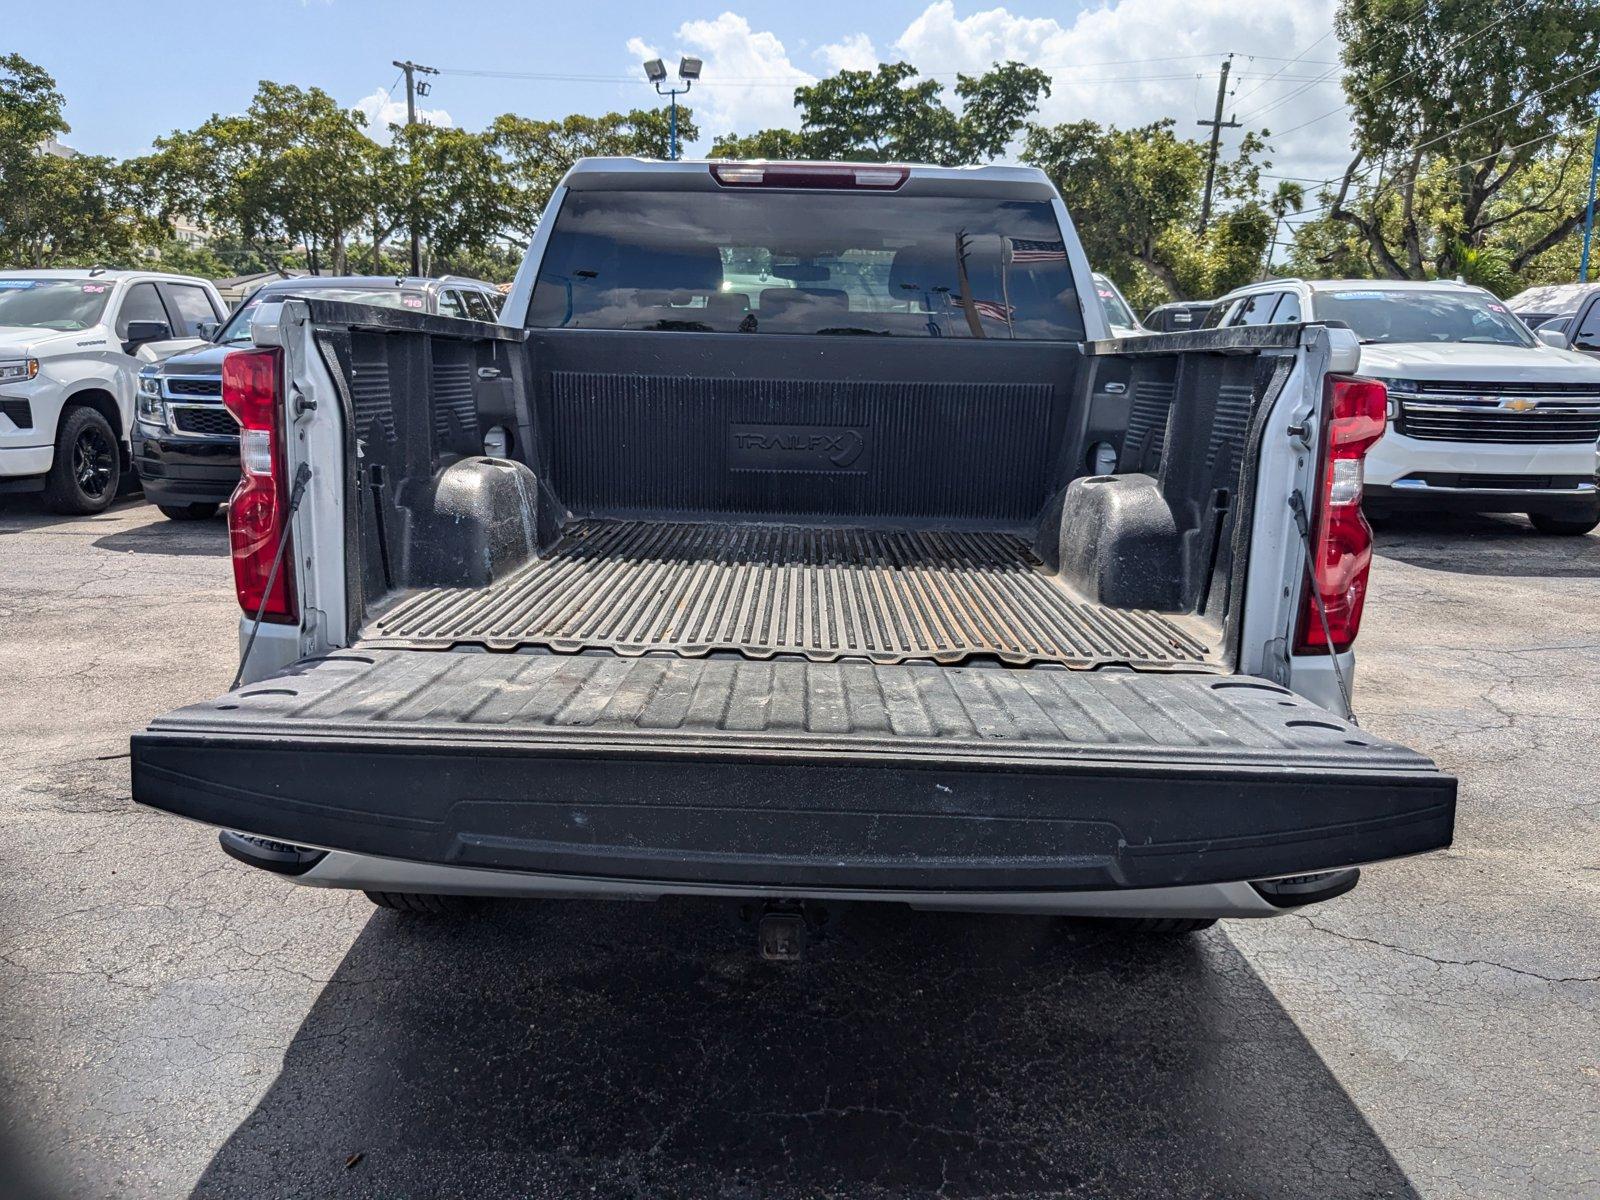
1518,404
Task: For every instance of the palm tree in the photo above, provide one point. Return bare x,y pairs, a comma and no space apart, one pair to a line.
1290,197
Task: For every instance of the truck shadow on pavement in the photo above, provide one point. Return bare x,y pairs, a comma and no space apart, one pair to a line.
624,1050
1485,545
207,539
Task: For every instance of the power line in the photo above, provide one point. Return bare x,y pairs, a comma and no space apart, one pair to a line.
1471,162
1419,146
769,81
1373,91
1285,67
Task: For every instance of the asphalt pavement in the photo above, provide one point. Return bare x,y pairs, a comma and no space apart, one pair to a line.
173,1023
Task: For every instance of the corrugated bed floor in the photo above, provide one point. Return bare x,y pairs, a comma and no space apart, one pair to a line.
826,594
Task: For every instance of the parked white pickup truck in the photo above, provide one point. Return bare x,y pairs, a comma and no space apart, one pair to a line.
797,584
71,345
1483,416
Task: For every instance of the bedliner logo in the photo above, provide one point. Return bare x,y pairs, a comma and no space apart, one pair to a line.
797,448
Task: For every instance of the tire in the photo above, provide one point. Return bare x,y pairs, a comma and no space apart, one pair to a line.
1160,925
425,903
87,467
1563,526
188,512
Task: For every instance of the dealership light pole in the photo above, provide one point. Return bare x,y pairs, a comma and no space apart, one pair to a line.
688,70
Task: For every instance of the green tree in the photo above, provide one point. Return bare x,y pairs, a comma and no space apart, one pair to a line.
889,115
995,106
57,211
538,153
1452,104
292,170
453,188
1134,195
1130,191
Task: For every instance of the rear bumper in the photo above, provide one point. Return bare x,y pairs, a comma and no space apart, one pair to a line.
797,824
902,780
339,869
185,470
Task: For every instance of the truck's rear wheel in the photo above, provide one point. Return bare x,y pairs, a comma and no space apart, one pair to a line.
87,467
188,512
418,902
1564,526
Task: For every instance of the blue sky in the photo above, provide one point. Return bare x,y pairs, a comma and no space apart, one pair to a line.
133,72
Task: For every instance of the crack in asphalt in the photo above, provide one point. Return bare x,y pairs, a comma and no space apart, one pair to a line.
1444,962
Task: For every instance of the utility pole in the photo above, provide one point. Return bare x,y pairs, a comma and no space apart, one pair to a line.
1217,126
413,90
1588,219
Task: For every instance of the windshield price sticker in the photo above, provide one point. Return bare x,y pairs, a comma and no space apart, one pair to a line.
411,301
94,289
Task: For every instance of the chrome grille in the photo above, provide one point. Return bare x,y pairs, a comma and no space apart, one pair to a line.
204,420
1451,411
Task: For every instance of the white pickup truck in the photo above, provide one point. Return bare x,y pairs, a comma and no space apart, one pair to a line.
1483,417
794,582
71,345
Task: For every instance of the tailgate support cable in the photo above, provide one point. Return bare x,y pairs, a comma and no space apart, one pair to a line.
301,478
1297,505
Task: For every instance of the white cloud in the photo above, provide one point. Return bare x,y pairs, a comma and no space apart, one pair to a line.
383,108
1126,63
1136,61
643,51
854,52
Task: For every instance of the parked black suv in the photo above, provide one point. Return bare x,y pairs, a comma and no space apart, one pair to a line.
186,444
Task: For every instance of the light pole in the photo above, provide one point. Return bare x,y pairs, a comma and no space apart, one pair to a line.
688,70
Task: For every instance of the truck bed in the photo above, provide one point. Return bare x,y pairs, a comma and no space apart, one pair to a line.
824,593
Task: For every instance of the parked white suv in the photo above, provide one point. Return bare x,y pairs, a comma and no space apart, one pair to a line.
71,345
1482,416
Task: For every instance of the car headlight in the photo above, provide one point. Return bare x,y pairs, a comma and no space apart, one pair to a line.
152,409
150,385
16,370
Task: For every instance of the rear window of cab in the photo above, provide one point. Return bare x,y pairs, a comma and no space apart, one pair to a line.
782,262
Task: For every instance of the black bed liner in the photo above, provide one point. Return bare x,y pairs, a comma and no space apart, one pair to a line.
789,773
823,593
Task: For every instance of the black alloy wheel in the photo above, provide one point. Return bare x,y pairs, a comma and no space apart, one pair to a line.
93,461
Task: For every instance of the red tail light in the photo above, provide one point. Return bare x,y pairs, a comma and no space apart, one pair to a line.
1341,539
809,175
258,511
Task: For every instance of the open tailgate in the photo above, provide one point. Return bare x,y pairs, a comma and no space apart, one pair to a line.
794,774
